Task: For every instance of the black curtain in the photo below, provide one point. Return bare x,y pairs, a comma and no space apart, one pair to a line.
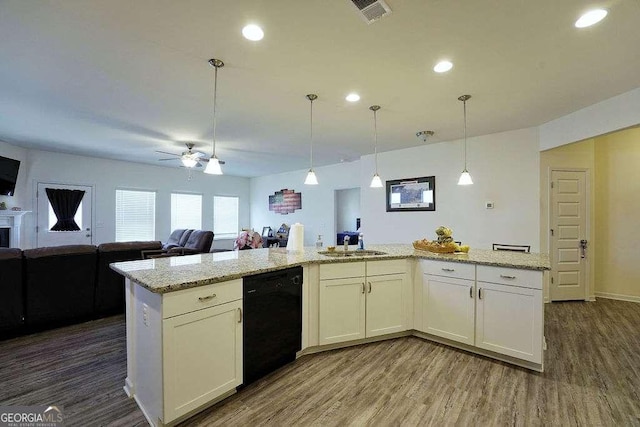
65,205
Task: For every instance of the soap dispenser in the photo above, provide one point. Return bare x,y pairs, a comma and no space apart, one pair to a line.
319,242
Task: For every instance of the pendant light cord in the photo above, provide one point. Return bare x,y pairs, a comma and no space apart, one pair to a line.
215,99
375,138
465,133
311,137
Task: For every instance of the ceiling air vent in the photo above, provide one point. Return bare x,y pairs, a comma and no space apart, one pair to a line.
371,10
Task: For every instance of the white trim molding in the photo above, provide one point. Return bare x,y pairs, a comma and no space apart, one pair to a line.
12,220
621,297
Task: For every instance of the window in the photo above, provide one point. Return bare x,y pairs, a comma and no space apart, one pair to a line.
186,211
135,215
53,219
225,216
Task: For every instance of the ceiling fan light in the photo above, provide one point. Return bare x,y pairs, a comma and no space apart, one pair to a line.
465,178
376,182
189,162
213,167
311,178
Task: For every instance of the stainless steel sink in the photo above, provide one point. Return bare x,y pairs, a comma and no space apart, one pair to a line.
346,254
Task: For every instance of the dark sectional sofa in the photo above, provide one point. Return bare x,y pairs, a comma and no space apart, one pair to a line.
45,288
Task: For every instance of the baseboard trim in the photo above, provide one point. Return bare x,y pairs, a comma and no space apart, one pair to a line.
620,297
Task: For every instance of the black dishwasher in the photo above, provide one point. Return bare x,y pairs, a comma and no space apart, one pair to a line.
272,324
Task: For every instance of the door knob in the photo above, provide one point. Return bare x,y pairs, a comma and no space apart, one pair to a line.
583,248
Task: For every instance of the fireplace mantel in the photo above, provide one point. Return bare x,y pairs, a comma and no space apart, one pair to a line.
12,220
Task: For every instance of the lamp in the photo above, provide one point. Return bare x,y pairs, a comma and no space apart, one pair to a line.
188,162
311,176
213,167
465,177
376,182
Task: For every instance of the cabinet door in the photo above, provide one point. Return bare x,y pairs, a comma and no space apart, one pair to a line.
509,321
202,357
385,304
448,308
342,310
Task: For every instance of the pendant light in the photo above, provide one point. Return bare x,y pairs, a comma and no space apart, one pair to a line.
213,167
465,177
376,182
311,176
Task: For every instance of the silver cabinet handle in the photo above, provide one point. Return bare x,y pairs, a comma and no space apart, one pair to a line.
470,291
239,315
369,287
207,298
504,276
363,287
448,269
480,293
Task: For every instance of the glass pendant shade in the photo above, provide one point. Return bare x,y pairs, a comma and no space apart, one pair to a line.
189,162
311,178
213,167
465,178
376,182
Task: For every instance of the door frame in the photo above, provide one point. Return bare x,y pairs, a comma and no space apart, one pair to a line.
588,288
37,182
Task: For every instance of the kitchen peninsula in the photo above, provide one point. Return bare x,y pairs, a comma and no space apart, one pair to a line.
185,314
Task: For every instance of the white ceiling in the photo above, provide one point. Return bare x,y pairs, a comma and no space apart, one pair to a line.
120,79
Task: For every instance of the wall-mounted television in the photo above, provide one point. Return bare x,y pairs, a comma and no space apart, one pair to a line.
8,175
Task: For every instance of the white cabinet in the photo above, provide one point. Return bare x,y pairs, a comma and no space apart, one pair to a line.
202,357
492,308
509,319
184,348
449,308
362,299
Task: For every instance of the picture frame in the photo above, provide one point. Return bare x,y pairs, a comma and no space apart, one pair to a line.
411,194
266,231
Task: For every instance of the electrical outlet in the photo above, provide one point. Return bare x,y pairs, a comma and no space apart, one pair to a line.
145,314
489,205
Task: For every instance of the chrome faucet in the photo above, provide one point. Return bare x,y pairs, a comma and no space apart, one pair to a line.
346,243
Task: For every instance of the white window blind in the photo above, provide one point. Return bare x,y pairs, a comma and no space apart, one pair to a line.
135,215
186,211
225,216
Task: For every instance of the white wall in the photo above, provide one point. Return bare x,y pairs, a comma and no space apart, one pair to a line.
347,209
505,170
318,201
613,114
108,175
504,166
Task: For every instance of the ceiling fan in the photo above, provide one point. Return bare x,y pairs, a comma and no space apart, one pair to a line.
189,158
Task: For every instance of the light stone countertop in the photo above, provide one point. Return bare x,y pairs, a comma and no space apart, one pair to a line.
161,275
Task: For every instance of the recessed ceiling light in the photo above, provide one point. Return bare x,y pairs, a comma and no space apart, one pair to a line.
443,67
252,32
353,97
590,18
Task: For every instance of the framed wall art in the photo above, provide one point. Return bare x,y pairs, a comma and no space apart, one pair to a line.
411,194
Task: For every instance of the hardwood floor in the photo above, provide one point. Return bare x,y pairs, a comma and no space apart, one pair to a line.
592,377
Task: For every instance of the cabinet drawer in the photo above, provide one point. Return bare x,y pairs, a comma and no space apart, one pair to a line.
181,302
510,276
390,266
342,270
449,269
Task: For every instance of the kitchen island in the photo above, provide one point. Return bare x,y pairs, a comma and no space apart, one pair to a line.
184,314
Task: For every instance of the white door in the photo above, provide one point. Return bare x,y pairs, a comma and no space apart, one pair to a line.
342,310
385,304
568,219
46,218
448,308
509,321
202,357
